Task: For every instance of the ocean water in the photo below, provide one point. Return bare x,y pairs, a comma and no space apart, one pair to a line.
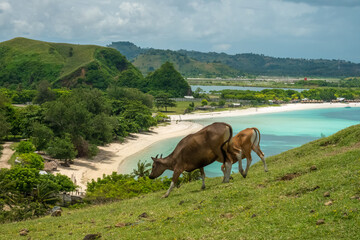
279,132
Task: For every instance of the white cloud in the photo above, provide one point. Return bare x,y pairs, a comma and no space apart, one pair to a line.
206,25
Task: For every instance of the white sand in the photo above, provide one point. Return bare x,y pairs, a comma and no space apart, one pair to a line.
262,110
7,152
112,156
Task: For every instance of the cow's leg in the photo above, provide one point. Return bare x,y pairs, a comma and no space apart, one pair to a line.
228,165
261,156
173,183
248,163
203,178
240,157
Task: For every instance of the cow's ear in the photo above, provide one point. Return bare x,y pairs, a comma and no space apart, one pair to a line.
154,159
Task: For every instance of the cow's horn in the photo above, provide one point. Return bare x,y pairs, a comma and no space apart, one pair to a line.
157,156
161,156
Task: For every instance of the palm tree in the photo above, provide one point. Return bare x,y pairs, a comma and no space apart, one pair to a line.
143,169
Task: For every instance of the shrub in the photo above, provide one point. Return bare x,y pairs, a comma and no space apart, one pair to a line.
121,186
25,147
32,160
204,102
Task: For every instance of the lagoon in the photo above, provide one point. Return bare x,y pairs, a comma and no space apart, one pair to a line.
279,132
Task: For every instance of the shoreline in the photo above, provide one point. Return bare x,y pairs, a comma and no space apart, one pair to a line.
262,110
112,156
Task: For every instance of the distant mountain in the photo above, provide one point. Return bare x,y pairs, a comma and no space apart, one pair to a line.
195,64
25,62
149,59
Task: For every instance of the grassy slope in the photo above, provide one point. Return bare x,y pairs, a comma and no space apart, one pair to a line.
260,207
82,54
186,66
56,55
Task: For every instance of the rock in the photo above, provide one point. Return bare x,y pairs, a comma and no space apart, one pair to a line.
326,194
313,168
312,211
143,215
320,221
181,202
57,213
227,215
329,203
92,236
254,215
24,232
50,166
120,224
355,197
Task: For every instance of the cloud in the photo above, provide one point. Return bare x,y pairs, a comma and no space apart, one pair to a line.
233,26
337,3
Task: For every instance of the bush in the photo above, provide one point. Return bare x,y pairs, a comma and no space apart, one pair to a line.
25,147
28,193
121,186
32,160
204,102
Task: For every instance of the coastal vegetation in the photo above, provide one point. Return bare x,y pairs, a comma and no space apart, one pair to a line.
309,192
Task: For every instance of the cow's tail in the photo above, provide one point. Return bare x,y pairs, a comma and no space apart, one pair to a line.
256,141
226,143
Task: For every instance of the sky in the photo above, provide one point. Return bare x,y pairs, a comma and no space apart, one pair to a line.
310,29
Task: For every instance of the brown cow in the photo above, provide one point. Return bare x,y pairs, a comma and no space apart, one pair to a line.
240,147
196,151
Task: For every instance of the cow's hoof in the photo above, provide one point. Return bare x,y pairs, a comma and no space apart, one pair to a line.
203,188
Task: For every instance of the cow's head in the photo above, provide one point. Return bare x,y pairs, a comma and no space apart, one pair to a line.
158,167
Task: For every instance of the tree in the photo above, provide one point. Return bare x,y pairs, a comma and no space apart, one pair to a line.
41,136
4,126
45,93
163,100
62,148
167,79
143,169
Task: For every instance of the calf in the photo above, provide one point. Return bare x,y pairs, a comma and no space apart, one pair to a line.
240,147
196,151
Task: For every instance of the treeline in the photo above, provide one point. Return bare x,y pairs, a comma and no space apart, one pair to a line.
83,117
325,94
344,83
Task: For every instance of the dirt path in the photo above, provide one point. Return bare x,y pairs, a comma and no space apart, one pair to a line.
6,154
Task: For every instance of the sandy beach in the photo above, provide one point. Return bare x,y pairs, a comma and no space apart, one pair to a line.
111,156
262,110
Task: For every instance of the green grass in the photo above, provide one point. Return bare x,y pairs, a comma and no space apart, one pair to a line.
37,60
261,206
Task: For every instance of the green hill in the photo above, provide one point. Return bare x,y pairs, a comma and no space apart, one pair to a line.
212,64
26,62
147,60
288,202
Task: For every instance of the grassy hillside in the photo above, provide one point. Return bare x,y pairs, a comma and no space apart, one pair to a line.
285,203
147,60
25,61
212,64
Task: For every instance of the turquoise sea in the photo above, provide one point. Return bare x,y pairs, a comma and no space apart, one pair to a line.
279,132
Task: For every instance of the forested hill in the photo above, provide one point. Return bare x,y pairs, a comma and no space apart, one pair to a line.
25,62
149,59
146,58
